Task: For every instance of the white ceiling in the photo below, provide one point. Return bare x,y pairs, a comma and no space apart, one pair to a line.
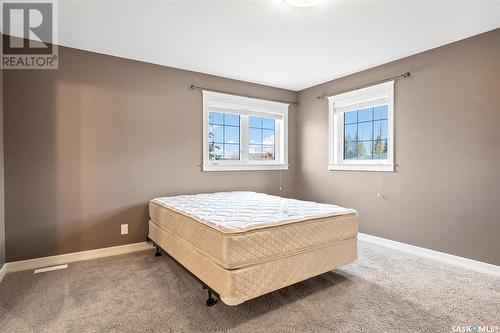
271,42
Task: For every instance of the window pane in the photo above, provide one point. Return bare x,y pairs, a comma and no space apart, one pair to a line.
255,122
231,134
223,136
231,119
350,150
215,133
351,132
268,137
268,153
365,150
350,117
380,149
231,152
364,137
380,112
215,151
261,138
215,118
254,135
365,131
268,123
365,114
380,129
255,152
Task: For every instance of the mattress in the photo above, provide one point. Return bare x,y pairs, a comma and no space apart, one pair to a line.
244,244
240,229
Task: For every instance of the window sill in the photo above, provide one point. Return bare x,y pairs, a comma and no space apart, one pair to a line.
244,167
362,167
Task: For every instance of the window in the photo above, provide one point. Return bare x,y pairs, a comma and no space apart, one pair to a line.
241,133
361,134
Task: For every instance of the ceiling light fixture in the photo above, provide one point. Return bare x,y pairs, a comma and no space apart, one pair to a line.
302,3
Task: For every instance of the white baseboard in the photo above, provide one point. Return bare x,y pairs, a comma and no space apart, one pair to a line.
129,248
3,271
62,259
436,255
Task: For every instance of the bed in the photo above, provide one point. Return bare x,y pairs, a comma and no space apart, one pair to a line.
241,245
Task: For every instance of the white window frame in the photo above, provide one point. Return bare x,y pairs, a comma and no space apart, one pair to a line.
379,94
245,107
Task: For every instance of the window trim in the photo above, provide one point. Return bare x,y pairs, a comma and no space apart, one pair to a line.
355,99
245,107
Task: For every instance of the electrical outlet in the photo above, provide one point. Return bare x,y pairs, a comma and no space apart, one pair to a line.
124,229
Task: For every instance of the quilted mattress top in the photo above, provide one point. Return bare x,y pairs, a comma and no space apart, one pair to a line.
242,211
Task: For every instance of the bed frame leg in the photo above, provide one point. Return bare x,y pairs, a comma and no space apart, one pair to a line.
211,301
158,252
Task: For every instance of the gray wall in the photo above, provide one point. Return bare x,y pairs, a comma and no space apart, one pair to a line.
88,145
2,220
445,194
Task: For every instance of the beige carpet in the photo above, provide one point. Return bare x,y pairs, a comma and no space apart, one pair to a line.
384,291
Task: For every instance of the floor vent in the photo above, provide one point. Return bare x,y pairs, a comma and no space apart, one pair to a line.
51,268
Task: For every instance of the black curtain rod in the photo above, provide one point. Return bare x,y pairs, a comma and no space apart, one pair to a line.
402,76
241,95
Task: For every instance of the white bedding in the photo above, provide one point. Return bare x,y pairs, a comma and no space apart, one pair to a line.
247,210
